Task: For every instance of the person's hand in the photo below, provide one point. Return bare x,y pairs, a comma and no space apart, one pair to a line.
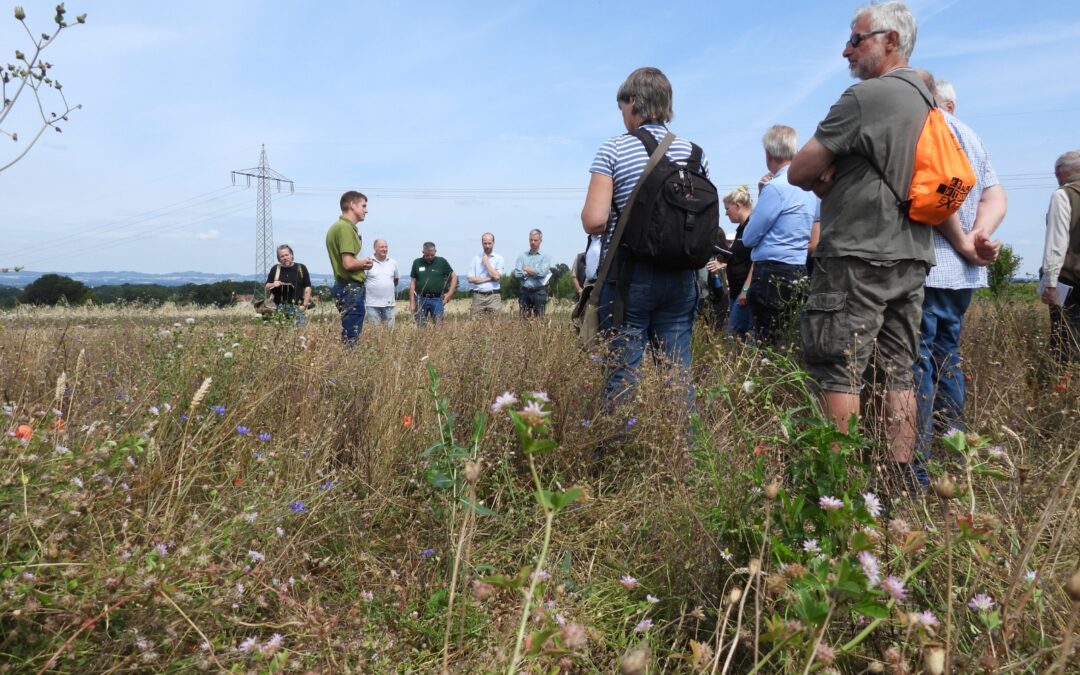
986,249
764,180
447,298
742,299
714,265
824,182
1049,296
528,271
366,263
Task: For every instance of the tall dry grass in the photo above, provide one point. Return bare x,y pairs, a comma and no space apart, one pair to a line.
144,530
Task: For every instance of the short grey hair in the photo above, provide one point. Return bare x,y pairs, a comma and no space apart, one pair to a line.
535,231
287,248
1068,165
945,92
429,246
650,92
895,16
780,142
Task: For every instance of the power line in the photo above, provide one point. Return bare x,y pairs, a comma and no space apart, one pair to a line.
264,223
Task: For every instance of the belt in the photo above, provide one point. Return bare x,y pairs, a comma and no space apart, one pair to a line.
431,295
484,292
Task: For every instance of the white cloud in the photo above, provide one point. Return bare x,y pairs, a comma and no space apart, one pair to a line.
208,235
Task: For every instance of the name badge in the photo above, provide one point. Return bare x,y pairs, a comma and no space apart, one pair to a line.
422,269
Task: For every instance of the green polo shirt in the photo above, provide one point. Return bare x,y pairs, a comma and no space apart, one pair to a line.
431,277
343,237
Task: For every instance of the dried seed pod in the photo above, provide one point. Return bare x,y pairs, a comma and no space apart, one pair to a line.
944,487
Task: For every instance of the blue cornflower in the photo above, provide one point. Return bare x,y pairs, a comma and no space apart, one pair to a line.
298,507
242,430
427,552
328,485
257,454
631,422
218,409
265,437
586,423
183,418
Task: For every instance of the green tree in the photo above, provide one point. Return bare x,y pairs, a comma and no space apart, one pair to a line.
53,288
30,73
1001,271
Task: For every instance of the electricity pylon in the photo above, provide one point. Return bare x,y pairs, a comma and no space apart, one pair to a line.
264,223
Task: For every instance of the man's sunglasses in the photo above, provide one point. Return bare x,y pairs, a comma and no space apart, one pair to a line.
856,39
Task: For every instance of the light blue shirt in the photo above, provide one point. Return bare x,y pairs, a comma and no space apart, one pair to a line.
540,264
478,270
779,227
952,271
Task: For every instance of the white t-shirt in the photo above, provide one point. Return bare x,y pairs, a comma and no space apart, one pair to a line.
380,283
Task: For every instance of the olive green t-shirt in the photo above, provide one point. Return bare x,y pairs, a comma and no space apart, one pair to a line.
343,237
431,277
880,118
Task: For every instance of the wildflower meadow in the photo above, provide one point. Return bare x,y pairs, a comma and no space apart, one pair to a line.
197,490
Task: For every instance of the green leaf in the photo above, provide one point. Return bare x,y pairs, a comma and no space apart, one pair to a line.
538,638
435,447
540,445
873,610
478,509
559,500
438,479
545,497
993,473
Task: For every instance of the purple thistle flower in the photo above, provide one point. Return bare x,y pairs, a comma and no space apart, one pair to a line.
831,503
628,581
507,398
981,602
586,423
894,586
870,568
811,546
298,507
248,644
872,504
242,430
927,619
265,437
643,625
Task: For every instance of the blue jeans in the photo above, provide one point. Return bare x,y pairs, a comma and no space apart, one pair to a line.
532,302
659,312
428,306
349,300
296,312
775,298
383,315
939,379
740,319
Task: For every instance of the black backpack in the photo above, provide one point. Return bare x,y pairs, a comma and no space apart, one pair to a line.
675,220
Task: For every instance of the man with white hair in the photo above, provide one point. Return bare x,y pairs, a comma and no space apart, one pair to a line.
867,287
1061,258
939,378
778,233
946,96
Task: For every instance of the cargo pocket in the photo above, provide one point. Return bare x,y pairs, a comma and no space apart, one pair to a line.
824,321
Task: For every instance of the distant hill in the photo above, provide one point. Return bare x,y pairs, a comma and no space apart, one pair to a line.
24,277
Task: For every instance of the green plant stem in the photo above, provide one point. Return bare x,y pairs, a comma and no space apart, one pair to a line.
855,641
549,519
780,645
948,585
453,579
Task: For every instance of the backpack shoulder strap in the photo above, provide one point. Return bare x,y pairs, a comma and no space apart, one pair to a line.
900,201
646,138
694,162
277,272
926,99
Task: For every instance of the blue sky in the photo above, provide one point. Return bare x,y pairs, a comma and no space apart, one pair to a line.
460,118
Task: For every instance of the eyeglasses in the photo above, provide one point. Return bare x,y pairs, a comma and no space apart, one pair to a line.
856,39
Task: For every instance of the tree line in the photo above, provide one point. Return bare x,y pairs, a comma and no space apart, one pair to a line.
52,289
